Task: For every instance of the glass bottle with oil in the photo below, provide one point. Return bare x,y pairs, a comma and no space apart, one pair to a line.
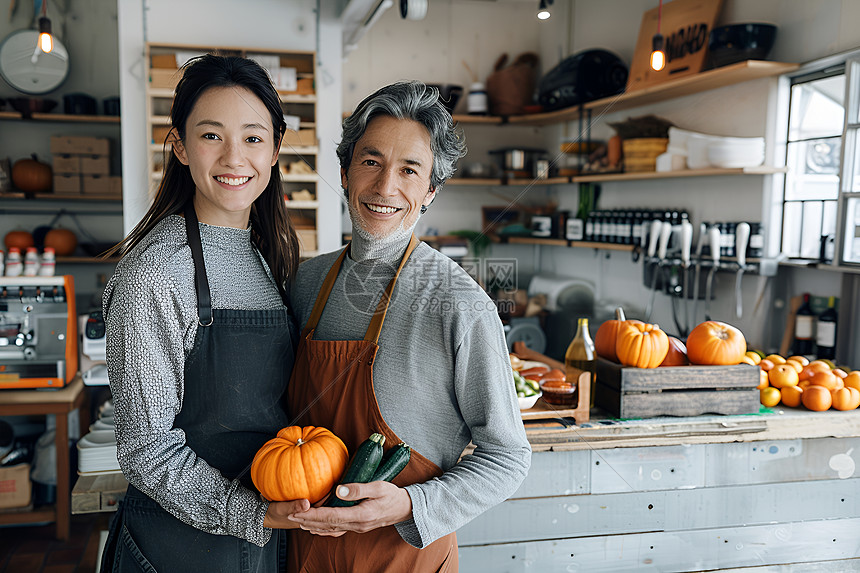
580,355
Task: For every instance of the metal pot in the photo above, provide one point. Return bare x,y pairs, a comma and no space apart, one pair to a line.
517,159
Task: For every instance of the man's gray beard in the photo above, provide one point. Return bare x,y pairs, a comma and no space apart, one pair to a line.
367,246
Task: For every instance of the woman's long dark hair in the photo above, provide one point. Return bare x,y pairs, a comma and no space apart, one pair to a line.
271,229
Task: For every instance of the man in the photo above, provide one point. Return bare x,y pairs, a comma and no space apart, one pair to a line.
439,377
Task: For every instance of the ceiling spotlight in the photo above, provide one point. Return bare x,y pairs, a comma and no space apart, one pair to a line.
543,10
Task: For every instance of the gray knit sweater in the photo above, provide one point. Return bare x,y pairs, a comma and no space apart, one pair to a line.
442,376
150,308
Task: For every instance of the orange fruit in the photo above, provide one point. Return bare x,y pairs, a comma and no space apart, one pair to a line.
812,368
804,384
802,359
769,397
755,356
827,379
852,380
846,398
816,398
763,380
766,364
796,365
783,375
840,373
775,358
748,360
791,395
823,363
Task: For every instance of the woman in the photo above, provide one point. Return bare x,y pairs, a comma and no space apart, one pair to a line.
199,350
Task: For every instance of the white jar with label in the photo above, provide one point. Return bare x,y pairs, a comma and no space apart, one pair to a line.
476,101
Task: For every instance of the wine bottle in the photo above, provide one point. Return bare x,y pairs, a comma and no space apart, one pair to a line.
825,336
580,355
803,327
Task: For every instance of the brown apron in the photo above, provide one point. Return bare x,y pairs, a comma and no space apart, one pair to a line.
332,387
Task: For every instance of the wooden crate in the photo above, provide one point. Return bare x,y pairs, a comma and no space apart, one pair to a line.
628,392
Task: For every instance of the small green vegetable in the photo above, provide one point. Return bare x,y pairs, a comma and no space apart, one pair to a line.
393,462
361,468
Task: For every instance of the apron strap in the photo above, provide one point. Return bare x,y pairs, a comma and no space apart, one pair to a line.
325,290
201,283
375,327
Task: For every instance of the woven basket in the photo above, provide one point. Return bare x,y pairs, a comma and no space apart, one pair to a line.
641,154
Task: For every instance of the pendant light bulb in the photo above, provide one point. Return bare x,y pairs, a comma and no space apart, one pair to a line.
543,10
658,57
46,42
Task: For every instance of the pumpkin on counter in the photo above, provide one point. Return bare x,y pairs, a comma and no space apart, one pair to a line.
606,336
299,463
18,239
716,343
32,175
677,354
63,241
640,344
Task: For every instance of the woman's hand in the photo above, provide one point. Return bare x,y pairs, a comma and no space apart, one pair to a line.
279,511
382,504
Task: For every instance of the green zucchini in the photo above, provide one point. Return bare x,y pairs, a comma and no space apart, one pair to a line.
361,467
393,462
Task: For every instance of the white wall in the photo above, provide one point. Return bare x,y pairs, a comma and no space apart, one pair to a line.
274,24
479,31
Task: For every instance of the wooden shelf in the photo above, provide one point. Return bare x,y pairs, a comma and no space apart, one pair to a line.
87,260
297,98
689,85
61,117
302,204
488,119
299,150
515,240
58,197
636,176
643,175
312,178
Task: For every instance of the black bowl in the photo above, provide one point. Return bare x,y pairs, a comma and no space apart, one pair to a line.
449,95
27,106
740,42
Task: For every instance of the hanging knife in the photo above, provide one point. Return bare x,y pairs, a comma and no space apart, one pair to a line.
653,237
742,235
703,238
665,234
714,240
686,243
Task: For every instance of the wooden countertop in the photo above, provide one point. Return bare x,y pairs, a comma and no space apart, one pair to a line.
602,432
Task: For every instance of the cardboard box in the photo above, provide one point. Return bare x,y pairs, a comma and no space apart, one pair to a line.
164,61
307,239
65,184
164,79
116,185
95,184
15,486
64,144
69,164
159,133
300,138
95,164
304,86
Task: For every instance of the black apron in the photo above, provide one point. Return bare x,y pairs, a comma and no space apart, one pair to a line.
234,401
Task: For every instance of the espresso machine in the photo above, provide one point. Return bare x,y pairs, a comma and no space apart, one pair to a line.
38,332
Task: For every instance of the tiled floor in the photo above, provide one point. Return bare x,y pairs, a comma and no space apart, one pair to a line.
35,550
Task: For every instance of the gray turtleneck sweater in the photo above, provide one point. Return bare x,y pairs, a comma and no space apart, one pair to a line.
442,376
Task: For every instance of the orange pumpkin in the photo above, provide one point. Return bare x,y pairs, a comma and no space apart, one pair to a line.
716,343
18,239
32,175
63,241
604,339
640,344
677,355
299,463
846,398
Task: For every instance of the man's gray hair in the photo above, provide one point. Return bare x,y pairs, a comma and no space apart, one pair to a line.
418,102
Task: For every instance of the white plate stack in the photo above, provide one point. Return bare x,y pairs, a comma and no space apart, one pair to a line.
97,449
